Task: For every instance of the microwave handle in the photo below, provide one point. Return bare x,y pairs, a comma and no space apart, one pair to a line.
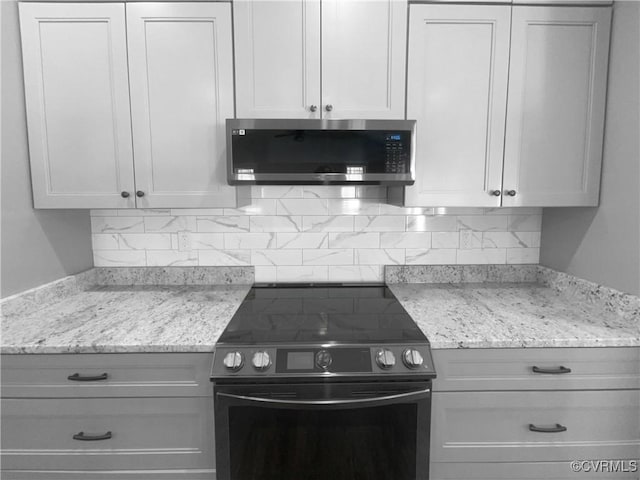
337,403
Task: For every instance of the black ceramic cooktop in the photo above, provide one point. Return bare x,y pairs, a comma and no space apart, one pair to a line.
319,314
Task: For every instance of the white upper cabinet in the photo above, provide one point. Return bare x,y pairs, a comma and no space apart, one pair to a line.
550,120
320,59
363,58
77,100
277,46
181,76
84,101
457,92
555,115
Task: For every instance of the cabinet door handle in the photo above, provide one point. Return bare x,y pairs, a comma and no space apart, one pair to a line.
556,429
328,108
91,438
510,193
495,193
140,193
77,378
553,371
313,108
124,194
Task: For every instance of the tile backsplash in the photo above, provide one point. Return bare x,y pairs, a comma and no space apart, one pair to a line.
316,233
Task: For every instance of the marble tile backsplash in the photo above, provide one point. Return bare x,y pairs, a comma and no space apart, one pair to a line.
309,233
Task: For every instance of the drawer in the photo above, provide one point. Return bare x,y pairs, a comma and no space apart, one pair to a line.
512,369
494,426
131,374
617,470
146,433
208,474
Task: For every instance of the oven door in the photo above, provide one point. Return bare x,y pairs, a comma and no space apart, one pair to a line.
328,431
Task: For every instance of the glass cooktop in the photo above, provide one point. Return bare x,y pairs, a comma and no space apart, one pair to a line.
321,314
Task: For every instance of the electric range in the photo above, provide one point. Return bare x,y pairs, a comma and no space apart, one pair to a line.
321,332
321,381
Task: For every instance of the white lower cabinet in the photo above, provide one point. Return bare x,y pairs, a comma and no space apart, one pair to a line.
528,413
139,433
497,426
527,471
124,420
109,475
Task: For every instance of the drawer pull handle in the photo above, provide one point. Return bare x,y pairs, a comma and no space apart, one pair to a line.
553,371
558,428
91,438
77,378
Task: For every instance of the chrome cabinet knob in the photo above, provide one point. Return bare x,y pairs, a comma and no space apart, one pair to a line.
495,193
313,108
385,359
328,108
510,193
412,358
261,361
233,361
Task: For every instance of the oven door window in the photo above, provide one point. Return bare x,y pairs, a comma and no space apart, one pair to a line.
329,431
376,443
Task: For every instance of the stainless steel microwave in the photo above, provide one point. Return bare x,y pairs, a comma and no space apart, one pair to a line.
320,152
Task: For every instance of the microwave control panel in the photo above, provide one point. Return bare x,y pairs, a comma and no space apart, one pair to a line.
397,154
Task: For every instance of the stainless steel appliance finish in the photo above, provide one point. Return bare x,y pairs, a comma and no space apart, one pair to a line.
320,152
322,381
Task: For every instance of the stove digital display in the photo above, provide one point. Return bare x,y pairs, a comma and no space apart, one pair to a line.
300,361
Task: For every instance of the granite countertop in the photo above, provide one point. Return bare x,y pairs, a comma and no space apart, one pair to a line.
125,309
126,319
512,316
134,314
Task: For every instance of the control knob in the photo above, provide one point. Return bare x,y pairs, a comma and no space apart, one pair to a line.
261,361
385,359
233,361
412,358
323,359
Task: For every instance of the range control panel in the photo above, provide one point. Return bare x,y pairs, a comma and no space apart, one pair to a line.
296,361
397,154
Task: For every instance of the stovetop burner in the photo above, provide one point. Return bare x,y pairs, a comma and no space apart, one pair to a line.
274,314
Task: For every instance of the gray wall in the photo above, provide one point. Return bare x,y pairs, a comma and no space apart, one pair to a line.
603,244
37,246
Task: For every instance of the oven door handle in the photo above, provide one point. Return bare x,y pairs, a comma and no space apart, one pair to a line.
336,403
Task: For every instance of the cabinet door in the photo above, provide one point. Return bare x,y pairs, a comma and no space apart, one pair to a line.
615,470
144,433
111,474
497,426
277,58
555,117
121,375
181,74
457,92
77,99
363,58
573,368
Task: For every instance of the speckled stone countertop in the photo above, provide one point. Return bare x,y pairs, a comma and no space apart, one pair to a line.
512,316
128,312
126,319
110,310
